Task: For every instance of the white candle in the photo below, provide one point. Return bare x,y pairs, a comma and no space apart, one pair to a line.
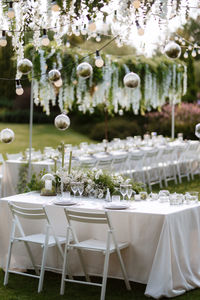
48,184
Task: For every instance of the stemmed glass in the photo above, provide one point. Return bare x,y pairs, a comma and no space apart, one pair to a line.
74,187
129,192
80,188
123,190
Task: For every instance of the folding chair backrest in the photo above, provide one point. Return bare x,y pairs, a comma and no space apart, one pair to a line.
104,163
14,156
85,217
28,213
118,163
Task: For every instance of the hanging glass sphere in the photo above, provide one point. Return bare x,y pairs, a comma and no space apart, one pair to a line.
172,50
54,75
62,121
84,70
197,130
24,66
131,80
7,135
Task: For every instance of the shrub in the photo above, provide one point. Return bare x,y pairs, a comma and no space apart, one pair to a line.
187,115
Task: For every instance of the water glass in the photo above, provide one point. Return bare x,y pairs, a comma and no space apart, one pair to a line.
115,198
192,197
164,196
80,188
153,196
130,192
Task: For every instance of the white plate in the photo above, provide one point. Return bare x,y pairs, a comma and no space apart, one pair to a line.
116,206
65,202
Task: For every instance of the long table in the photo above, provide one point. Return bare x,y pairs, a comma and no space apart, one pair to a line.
164,242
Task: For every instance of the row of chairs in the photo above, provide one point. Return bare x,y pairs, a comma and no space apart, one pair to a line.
155,166
71,242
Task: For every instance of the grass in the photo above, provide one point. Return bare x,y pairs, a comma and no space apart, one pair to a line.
43,135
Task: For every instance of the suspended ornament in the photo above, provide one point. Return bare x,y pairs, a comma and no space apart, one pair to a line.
19,89
24,66
84,70
3,41
54,75
11,12
131,80
7,135
172,50
54,6
62,121
194,53
99,61
197,130
185,54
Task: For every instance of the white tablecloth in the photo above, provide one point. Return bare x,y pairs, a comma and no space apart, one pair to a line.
11,174
164,242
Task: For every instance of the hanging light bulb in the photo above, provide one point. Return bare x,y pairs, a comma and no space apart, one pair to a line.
98,61
45,40
11,12
185,54
198,51
190,47
77,32
139,28
67,44
54,6
194,54
98,38
58,83
84,30
3,41
136,4
183,42
115,16
19,89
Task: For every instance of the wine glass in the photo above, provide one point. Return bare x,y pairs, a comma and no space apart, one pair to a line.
74,187
80,188
129,192
123,190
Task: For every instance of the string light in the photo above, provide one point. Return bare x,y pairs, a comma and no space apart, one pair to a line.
194,54
136,4
67,44
198,51
45,40
77,32
139,28
190,47
98,38
3,41
92,26
11,12
98,61
115,16
19,89
185,54
54,6
84,30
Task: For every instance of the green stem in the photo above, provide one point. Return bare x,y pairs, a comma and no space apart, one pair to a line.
55,165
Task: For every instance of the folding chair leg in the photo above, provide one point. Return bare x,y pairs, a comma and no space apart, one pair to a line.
44,258
123,270
8,263
83,265
105,269
31,257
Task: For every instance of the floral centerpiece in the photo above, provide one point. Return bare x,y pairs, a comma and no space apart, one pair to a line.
96,181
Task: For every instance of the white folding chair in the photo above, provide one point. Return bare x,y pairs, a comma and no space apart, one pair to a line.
105,247
119,164
46,240
151,168
167,166
135,165
104,163
87,163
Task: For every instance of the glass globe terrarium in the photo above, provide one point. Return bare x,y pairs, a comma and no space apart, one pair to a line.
48,185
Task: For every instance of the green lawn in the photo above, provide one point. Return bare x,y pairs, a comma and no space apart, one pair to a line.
43,135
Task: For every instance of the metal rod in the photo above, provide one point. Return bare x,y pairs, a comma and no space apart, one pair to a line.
173,120
30,130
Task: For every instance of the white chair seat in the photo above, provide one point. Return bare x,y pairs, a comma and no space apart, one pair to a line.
97,245
40,239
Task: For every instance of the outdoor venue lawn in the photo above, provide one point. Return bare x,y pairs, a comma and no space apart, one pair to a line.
43,135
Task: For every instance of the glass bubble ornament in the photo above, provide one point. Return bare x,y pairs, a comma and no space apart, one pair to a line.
62,121
172,50
54,75
7,135
197,130
24,66
131,80
84,70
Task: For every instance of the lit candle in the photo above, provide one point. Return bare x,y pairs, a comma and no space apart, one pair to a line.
48,184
